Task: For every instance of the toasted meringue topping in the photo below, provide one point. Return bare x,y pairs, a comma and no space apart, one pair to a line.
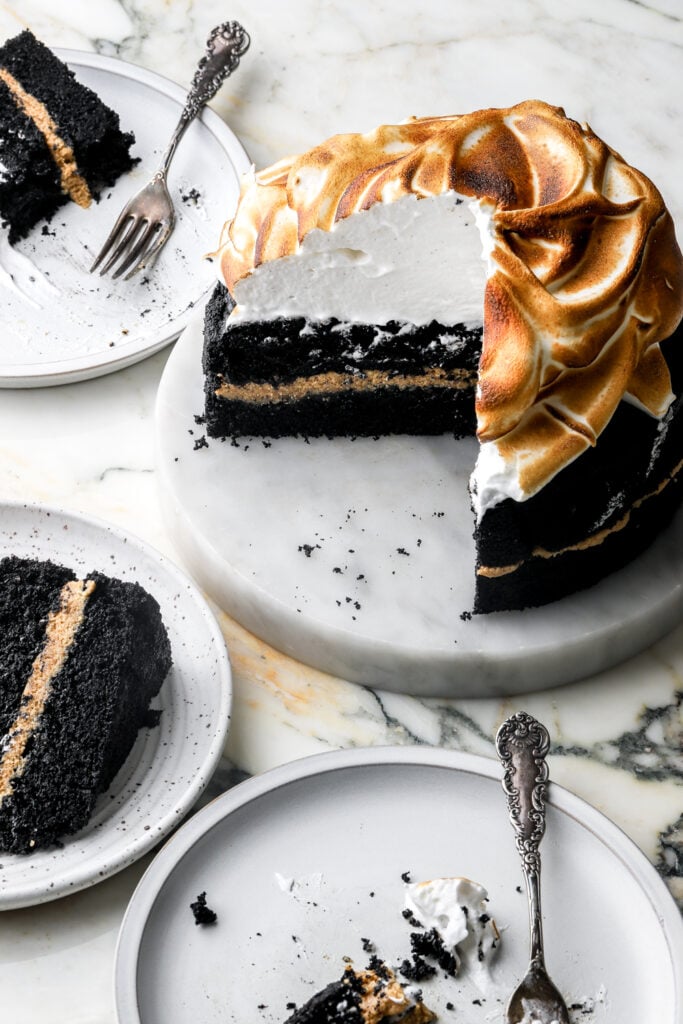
584,278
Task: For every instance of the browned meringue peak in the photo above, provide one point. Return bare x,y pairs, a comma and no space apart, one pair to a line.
586,277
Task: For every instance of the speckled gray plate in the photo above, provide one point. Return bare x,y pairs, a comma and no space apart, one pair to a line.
69,324
303,863
169,765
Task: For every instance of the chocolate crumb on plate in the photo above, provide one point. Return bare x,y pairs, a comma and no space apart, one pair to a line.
202,913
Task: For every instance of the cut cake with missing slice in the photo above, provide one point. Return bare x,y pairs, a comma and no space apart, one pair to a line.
503,272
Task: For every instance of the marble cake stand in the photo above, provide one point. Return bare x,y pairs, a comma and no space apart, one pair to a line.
356,557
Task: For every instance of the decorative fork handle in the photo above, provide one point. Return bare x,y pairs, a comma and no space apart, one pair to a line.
522,744
224,47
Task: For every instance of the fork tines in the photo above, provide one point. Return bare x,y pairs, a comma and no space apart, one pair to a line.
137,236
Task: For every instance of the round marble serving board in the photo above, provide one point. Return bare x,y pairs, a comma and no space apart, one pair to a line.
357,557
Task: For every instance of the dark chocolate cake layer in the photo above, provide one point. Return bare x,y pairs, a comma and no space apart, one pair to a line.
317,378
31,185
80,730
28,591
539,580
337,1002
284,350
372,414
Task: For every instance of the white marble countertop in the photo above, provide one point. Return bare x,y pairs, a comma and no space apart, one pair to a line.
316,68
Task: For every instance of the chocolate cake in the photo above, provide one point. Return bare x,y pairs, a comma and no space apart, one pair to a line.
354,300
81,660
58,140
373,996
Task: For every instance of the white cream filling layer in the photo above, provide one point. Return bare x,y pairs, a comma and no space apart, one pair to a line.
414,259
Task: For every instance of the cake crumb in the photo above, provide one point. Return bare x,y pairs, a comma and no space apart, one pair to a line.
193,195
202,913
308,549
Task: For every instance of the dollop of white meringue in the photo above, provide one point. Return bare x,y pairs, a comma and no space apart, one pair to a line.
413,260
457,909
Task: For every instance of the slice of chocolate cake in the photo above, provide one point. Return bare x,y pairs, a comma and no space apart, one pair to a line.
503,272
81,660
58,140
373,996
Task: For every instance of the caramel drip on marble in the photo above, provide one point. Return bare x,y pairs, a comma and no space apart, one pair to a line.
334,382
493,572
60,632
73,183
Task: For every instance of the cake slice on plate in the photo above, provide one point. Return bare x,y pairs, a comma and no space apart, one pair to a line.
81,660
58,140
503,272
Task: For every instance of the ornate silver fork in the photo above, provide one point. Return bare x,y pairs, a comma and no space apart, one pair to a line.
147,220
522,744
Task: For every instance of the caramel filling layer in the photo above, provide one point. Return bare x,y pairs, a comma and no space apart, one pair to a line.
493,572
383,1002
71,181
334,382
60,632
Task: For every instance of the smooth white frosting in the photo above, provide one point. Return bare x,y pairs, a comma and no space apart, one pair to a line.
492,480
414,260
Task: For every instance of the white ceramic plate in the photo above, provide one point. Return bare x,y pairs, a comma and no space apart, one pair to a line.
169,765
357,557
303,862
69,325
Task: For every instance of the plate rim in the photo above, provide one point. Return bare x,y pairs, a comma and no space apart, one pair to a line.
130,852
131,932
77,368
